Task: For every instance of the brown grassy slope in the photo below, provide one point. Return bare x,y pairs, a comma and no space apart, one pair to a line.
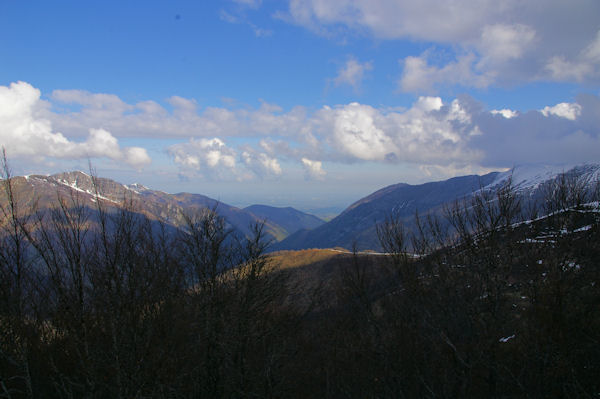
316,275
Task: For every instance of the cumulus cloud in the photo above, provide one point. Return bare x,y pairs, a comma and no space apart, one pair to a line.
506,113
261,164
352,73
215,159
186,119
204,153
356,132
429,131
249,143
564,110
313,170
428,104
496,44
24,133
461,135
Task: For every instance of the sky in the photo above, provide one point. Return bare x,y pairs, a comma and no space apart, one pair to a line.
305,103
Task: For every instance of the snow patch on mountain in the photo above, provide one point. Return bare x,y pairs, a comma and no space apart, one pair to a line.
529,177
73,185
136,188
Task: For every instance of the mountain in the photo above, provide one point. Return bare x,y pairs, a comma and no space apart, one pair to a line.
357,224
43,191
289,219
291,228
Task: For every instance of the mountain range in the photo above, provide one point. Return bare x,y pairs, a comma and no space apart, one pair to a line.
355,227
288,228
42,192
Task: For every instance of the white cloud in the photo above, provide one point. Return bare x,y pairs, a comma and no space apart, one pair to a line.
418,75
428,104
148,118
428,132
454,134
261,164
461,134
564,110
352,73
24,133
356,133
506,113
204,153
313,170
136,156
214,159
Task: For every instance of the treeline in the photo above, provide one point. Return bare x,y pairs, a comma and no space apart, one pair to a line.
497,298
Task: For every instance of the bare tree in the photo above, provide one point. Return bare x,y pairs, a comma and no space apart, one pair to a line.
17,325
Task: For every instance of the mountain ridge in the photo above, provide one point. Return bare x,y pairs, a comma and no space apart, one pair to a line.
156,205
356,225
290,229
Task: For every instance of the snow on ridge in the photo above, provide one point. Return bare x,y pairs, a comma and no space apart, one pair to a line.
530,176
73,185
129,187
82,172
136,187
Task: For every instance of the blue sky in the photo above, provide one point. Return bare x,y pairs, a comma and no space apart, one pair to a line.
309,103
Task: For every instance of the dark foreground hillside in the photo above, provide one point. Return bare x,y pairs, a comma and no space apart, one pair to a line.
497,301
